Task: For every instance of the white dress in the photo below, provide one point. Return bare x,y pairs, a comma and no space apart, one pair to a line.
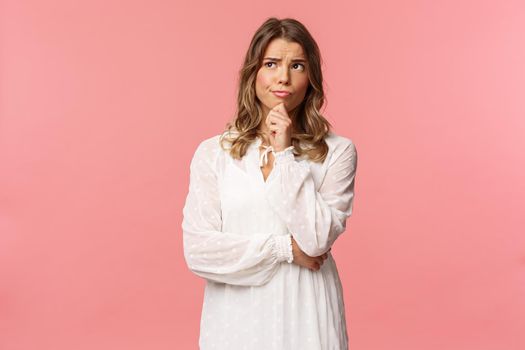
236,235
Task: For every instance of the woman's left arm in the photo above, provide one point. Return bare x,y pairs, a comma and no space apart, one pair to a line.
315,218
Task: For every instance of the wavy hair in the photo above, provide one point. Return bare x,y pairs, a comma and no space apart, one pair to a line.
309,126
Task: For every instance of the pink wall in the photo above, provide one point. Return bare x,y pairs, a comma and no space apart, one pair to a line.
103,103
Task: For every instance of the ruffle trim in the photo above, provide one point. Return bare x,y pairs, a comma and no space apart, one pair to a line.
282,248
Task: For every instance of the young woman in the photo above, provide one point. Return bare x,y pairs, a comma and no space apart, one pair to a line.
267,199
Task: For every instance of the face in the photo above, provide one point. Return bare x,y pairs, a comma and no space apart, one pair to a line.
283,69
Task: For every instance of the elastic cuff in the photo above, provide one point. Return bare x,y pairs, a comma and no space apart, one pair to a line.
284,156
283,247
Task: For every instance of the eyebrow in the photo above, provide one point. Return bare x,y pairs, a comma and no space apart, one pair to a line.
279,59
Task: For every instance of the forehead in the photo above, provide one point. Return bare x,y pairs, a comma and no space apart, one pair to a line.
280,47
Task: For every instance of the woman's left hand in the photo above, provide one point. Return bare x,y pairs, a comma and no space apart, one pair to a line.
280,126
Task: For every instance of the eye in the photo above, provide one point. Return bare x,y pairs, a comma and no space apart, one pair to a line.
293,65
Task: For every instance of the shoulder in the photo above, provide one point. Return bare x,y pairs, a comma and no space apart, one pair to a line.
210,144
340,148
218,142
338,143
207,150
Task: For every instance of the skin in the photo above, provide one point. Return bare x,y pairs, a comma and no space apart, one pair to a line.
288,75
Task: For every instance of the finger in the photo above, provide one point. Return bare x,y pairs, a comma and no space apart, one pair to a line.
280,107
274,128
270,124
281,117
275,116
279,112
275,120
277,128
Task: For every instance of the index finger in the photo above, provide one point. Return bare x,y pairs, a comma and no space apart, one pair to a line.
280,107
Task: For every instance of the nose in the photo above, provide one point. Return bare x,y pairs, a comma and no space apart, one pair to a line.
283,75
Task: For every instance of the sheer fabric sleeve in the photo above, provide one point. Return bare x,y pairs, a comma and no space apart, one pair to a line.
315,218
241,259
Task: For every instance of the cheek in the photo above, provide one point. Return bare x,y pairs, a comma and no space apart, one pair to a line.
301,93
303,86
263,81
305,82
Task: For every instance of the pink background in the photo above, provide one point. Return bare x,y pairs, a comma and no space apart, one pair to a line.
102,105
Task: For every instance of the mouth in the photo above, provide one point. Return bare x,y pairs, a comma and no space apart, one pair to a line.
281,94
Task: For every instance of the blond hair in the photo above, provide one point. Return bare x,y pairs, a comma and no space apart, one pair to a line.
309,126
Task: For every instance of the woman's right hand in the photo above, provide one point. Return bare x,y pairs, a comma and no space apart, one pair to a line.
300,258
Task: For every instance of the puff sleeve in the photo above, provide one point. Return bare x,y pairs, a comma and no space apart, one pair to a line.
315,218
240,259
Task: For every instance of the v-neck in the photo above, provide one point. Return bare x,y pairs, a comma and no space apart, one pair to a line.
255,155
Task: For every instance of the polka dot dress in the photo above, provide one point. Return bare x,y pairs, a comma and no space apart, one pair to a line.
237,230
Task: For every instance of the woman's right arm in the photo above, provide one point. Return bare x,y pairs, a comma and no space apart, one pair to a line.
241,259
